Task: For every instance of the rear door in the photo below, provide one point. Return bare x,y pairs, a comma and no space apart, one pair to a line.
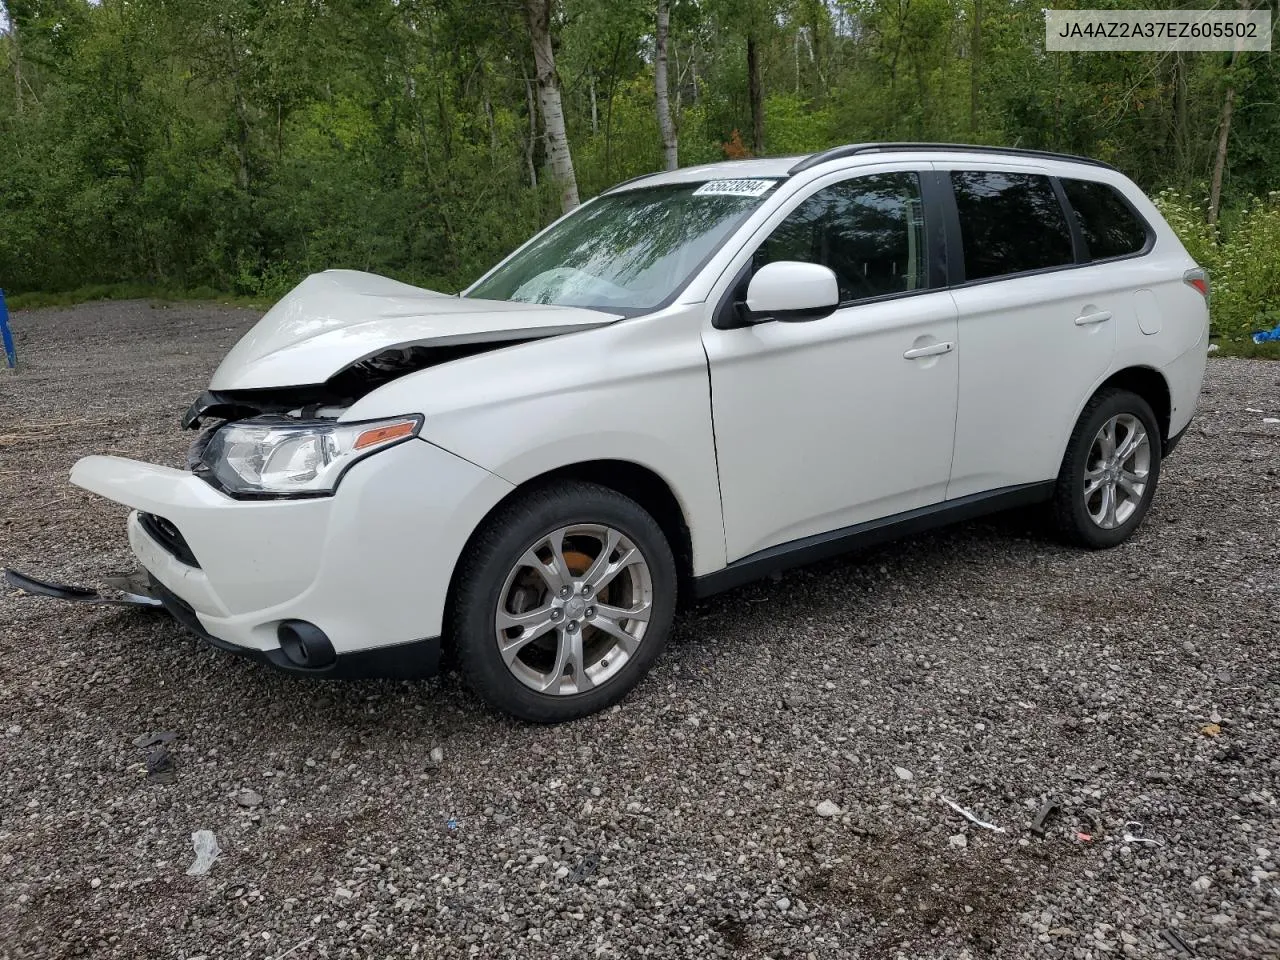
1037,326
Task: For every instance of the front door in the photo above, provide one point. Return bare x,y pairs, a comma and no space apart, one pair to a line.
825,424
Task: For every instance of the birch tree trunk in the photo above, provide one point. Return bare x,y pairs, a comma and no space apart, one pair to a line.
670,146
595,112
544,57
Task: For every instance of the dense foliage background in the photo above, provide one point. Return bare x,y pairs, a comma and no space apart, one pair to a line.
236,145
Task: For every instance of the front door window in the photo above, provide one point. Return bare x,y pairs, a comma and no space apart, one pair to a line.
868,230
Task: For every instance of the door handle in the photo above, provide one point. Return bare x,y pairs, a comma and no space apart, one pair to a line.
930,351
1085,319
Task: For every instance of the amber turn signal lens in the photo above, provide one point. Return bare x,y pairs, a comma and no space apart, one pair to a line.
394,431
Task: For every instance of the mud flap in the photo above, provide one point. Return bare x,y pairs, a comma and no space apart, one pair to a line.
134,590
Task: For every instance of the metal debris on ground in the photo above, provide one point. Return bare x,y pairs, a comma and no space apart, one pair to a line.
451,824
206,847
970,817
1178,944
1047,810
160,766
585,868
1132,837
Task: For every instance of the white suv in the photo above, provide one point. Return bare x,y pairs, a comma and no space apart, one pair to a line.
696,379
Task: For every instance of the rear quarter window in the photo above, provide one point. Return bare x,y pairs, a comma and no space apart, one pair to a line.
1009,223
1110,226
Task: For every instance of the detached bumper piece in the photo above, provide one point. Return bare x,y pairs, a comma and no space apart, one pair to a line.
134,590
304,648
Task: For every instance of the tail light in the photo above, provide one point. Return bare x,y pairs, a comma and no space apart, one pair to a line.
1198,277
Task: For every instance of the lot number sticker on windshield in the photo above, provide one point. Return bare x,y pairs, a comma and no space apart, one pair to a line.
734,188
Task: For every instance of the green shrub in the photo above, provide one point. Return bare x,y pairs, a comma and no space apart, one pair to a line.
1242,256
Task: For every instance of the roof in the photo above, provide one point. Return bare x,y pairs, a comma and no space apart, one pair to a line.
760,168
783,167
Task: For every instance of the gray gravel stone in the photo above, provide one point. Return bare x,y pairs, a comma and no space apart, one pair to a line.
978,657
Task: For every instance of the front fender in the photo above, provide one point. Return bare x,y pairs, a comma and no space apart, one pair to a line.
636,391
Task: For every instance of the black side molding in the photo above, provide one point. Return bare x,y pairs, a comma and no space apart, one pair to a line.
1173,441
860,536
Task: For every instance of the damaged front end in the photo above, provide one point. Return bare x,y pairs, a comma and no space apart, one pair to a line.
329,399
248,547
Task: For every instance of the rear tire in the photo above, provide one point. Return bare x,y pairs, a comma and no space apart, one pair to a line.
1110,471
539,618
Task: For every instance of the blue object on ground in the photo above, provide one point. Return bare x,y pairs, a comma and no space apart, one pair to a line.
1262,336
10,355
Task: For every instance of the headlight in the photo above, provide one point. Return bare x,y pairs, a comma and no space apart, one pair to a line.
274,456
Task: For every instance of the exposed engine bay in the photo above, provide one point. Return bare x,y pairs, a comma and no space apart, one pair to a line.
327,401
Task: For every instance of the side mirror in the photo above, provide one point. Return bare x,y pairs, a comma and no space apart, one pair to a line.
791,291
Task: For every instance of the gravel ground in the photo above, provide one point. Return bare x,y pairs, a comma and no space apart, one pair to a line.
984,664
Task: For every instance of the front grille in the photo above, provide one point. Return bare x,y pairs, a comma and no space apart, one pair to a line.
166,534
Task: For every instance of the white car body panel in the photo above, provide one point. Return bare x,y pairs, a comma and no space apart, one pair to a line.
765,435
1032,318
634,391
338,317
824,425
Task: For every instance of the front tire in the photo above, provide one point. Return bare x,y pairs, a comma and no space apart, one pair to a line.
565,598
1110,471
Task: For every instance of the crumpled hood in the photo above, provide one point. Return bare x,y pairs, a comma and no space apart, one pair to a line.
340,317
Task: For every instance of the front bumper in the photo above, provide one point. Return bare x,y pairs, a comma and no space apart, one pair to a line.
402,661
369,566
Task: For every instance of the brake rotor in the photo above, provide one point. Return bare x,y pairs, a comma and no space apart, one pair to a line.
577,562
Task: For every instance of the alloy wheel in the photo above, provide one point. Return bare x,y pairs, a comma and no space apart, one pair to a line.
1116,471
574,609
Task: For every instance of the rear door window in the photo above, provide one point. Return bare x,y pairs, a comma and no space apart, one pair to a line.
1009,223
1107,222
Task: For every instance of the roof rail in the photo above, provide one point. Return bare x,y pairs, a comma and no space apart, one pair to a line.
854,149
620,185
